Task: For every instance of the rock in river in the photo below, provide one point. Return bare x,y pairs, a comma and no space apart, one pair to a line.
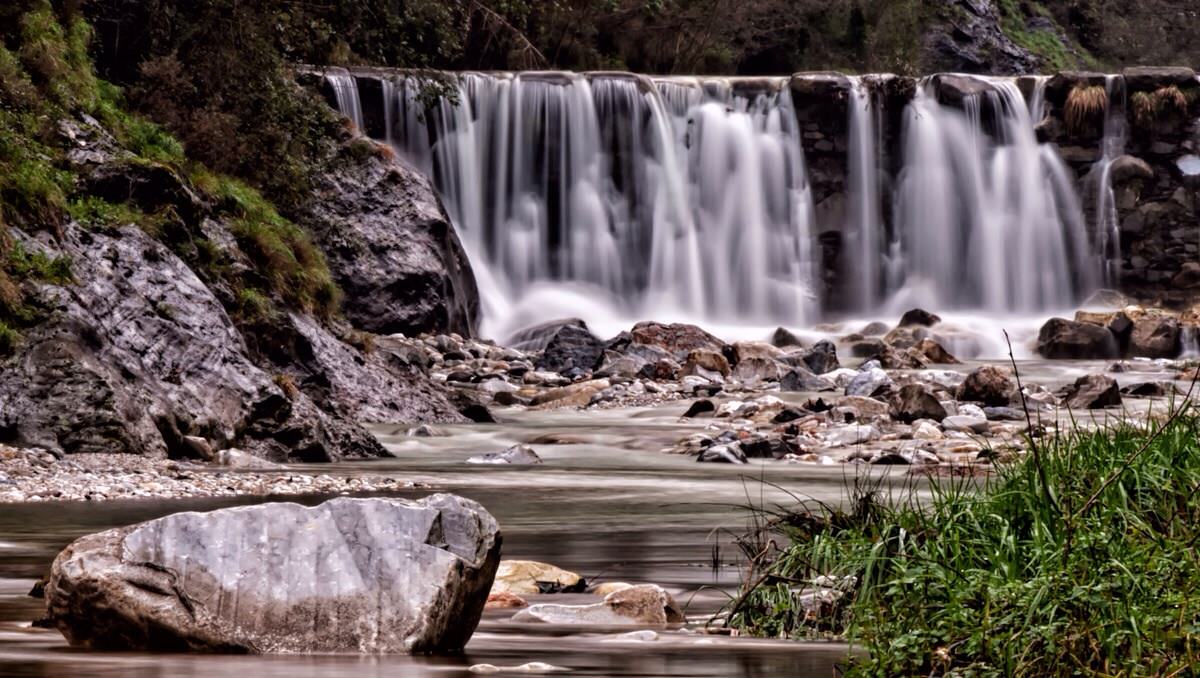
517,455
349,575
527,577
646,605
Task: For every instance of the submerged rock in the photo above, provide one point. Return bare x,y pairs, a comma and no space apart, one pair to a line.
349,575
517,455
723,454
644,605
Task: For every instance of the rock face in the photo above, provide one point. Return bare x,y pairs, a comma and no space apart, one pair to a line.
972,40
138,354
1067,339
349,575
391,249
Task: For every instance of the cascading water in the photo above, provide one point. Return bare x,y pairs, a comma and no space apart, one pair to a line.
1108,224
670,197
864,213
618,197
345,89
987,221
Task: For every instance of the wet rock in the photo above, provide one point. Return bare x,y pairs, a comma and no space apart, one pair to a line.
1128,168
841,436
919,317
822,357
861,347
1155,337
990,385
638,360
784,338
913,402
800,379
349,575
676,339
233,458
527,667
871,381
644,605
894,359
700,407
926,430
391,249
425,431
969,423
752,371
517,455
745,350
710,365
723,454
935,353
504,600
536,337
859,409
875,329
1092,392
529,577
574,395
571,347
1151,389
1004,414
1061,339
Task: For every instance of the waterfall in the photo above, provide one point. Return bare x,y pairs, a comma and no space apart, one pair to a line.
345,89
987,217
865,223
657,197
1108,223
625,197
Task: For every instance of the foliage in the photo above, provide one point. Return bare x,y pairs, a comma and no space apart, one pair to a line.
1150,107
1085,105
9,339
285,258
1080,559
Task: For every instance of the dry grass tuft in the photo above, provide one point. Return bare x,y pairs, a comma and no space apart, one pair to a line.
1084,106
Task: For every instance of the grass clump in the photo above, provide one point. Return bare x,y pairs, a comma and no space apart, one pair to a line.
1150,107
96,212
1079,560
285,258
1085,105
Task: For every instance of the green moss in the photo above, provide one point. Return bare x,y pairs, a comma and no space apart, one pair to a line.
1047,45
254,306
97,212
9,339
38,265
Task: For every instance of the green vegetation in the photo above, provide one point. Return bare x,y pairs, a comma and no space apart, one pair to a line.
1079,560
1150,107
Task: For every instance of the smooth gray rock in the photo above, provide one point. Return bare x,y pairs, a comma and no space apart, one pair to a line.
349,575
871,381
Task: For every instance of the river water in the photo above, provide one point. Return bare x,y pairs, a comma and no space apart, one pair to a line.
607,503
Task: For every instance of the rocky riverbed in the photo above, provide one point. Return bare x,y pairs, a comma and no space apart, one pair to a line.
886,395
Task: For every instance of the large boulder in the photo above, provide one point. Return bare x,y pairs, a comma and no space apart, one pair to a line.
677,339
1066,339
349,575
990,385
572,347
391,248
919,316
1155,336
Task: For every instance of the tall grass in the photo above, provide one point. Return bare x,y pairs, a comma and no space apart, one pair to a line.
1082,563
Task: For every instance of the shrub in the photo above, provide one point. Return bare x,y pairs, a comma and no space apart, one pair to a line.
1079,559
1085,104
9,339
